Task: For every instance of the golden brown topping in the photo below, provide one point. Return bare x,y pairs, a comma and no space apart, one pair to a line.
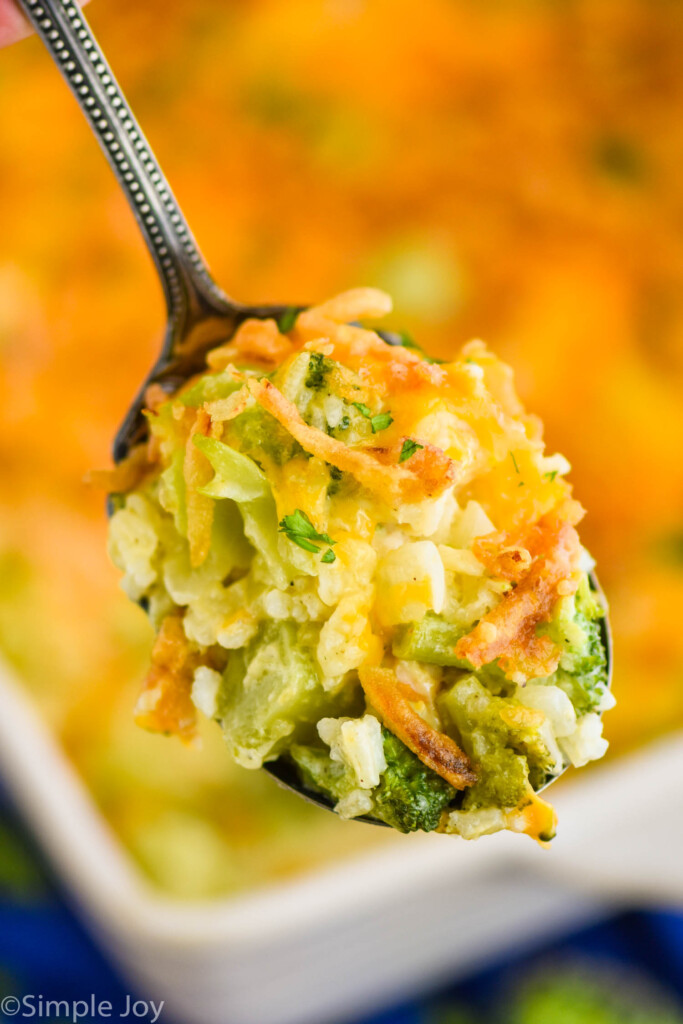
165,704
522,654
254,341
155,396
503,561
223,409
430,464
197,471
354,304
126,475
438,751
369,466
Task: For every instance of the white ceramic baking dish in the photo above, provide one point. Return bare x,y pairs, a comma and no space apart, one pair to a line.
349,939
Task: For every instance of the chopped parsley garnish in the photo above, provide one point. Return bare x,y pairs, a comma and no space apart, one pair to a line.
300,530
550,476
379,422
362,409
288,319
329,556
514,462
409,448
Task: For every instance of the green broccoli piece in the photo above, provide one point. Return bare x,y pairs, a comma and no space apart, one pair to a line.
582,673
270,692
259,435
410,796
431,640
319,368
505,757
320,773
209,388
587,681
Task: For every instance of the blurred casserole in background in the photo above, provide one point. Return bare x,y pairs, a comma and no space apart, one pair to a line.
509,170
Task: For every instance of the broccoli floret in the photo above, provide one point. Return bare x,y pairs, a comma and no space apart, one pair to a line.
587,681
319,368
410,796
503,754
583,667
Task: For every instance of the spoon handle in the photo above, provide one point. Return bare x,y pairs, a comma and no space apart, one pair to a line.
189,289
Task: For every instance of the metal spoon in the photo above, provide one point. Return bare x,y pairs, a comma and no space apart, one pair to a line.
199,315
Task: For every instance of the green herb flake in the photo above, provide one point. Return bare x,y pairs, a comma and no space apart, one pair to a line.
298,528
514,463
409,448
550,476
329,557
381,421
362,409
288,319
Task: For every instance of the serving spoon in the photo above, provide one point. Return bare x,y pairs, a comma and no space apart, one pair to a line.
199,314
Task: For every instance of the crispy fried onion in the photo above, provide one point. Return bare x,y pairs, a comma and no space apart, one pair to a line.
436,750
431,464
393,483
509,556
365,352
354,304
356,346
502,560
508,632
126,475
254,341
223,409
165,704
155,397
198,472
